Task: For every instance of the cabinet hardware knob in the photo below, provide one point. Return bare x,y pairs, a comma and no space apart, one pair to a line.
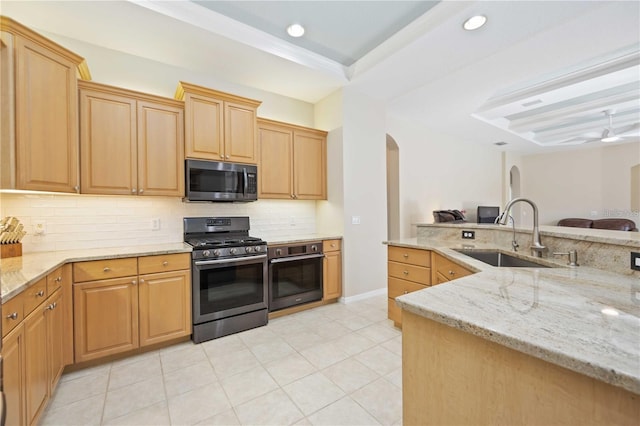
106,269
13,316
333,245
165,263
451,273
226,156
133,190
405,255
406,292
58,279
405,272
76,188
40,293
140,191
141,281
134,282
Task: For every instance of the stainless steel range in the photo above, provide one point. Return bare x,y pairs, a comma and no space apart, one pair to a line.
229,276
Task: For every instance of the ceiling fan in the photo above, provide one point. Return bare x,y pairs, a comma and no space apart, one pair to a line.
608,134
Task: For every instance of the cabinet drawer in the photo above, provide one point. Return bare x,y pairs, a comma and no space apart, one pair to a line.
409,255
54,281
331,245
449,269
34,295
163,263
394,313
410,272
399,287
104,269
12,314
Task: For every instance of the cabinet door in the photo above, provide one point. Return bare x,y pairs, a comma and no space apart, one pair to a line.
275,173
36,365
160,150
105,317
108,143
240,136
46,120
165,306
13,379
55,338
309,166
332,275
203,127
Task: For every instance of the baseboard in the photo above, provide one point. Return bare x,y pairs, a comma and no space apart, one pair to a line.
363,296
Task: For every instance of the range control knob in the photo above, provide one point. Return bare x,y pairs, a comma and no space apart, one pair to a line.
249,249
258,249
233,251
216,252
206,253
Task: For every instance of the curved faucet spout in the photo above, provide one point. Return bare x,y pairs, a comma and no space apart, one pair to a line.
536,246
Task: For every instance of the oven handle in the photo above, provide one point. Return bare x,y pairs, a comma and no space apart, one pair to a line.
232,260
294,258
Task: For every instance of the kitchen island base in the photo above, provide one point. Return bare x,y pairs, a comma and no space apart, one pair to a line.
453,377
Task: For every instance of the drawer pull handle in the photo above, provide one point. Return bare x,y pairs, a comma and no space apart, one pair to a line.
451,273
13,316
106,269
405,255
58,279
165,263
40,293
405,272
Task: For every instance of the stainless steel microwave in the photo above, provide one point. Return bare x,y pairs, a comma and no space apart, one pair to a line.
218,181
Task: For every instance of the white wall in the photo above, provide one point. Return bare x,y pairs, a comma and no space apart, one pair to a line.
439,172
364,153
86,221
587,183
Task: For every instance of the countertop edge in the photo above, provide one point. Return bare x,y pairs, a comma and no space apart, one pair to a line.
58,259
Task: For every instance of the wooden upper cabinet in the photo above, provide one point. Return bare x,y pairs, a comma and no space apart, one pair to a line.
218,126
160,149
131,143
39,111
293,161
310,165
275,174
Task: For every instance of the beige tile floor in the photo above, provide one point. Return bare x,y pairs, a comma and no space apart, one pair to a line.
334,365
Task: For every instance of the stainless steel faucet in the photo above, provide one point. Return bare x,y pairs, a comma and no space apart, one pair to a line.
536,247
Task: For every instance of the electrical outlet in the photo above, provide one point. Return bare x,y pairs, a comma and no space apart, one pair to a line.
635,261
355,220
39,227
469,235
155,224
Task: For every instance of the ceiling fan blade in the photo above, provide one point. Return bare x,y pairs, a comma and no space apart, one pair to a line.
633,130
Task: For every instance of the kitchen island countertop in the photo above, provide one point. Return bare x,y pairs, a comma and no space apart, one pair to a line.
583,319
18,273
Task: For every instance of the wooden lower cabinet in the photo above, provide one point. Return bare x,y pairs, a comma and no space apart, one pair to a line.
445,270
13,380
409,270
36,364
117,315
164,306
332,269
105,317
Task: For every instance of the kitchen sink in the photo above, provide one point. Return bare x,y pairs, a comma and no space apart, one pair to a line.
496,258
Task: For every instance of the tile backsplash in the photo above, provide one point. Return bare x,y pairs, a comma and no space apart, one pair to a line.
85,221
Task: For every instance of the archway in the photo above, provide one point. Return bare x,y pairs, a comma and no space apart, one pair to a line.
393,189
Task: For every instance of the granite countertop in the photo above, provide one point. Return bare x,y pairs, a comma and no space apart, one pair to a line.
301,238
584,319
18,273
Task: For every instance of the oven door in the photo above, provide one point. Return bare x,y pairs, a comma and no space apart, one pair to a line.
226,287
295,280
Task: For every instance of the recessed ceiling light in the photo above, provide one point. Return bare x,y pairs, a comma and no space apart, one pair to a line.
295,30
474,22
